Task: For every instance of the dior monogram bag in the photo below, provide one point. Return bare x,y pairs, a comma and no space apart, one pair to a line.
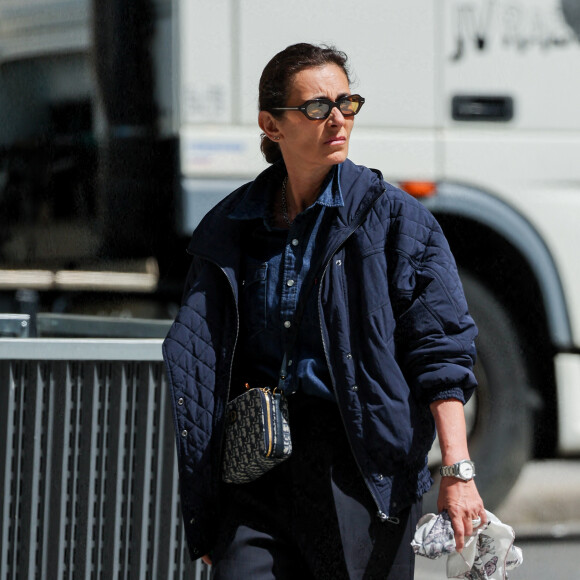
257,435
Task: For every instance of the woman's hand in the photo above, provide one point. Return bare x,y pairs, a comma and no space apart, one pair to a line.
460,498
206,559
463,504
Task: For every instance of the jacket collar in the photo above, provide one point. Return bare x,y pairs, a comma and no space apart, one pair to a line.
255,199
219,238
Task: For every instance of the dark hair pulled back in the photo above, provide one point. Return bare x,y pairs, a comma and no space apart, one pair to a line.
277,78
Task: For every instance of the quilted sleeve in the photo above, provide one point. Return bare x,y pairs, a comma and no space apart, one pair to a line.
435,333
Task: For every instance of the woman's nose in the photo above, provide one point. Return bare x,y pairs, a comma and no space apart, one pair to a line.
336,117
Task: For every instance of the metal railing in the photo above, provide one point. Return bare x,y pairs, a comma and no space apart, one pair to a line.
88,476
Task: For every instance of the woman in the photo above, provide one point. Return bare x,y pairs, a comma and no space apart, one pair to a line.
383,351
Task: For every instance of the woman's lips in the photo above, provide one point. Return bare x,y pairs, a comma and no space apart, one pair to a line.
335,141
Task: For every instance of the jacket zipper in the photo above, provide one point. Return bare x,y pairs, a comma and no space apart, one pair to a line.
269,421
221,445
382,515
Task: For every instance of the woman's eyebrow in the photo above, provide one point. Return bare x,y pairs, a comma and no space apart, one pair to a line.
322,96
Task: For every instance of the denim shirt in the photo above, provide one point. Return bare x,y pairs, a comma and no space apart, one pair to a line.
275,265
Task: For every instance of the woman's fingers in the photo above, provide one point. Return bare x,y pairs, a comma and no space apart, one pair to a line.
206,559
464,506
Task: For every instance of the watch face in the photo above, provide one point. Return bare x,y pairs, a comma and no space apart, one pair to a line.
466,470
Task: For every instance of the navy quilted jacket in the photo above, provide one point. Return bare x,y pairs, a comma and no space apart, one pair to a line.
395,329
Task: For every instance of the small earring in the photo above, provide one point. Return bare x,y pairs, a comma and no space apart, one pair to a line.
276,138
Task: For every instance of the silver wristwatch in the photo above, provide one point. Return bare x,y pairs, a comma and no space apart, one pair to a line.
464,469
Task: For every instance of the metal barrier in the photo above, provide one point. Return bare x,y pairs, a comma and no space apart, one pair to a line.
88,476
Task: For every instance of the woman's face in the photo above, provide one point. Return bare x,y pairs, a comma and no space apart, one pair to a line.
312,145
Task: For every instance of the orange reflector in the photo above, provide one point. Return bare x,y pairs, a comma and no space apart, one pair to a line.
419,188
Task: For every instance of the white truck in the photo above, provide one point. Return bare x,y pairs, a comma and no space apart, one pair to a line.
473,105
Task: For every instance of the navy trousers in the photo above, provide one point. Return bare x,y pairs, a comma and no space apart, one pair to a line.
311,517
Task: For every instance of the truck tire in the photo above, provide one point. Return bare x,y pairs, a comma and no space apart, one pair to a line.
499,415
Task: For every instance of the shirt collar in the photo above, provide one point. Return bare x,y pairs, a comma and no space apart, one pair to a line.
254,203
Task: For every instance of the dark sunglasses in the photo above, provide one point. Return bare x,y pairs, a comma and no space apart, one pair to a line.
320,108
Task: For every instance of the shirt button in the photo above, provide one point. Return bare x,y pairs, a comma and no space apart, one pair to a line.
380,476
355,388
339,262
180,401
290,283
184,433
349,356
295,242
287,324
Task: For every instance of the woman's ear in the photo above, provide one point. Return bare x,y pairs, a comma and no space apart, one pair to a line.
269,125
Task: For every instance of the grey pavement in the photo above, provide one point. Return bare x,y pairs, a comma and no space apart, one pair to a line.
545,500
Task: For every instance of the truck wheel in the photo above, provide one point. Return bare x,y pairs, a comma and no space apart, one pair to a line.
499,415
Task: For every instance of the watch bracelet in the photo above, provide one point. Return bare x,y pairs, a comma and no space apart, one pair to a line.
453,470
